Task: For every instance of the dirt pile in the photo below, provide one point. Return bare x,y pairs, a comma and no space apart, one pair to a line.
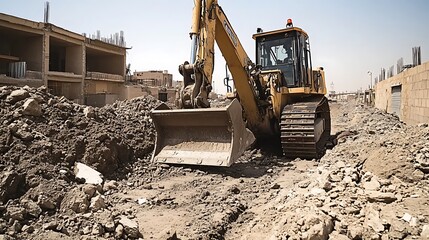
374,184
42,137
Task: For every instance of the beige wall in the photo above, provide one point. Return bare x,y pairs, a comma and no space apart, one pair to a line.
95,87
414,95
133,91
154,78
74,58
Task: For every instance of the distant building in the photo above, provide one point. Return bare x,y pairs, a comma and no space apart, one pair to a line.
84,70
153,78
156,83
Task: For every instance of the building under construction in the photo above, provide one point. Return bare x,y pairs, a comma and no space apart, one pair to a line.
156,83
85,70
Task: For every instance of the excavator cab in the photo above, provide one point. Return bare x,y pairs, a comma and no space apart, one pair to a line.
287,51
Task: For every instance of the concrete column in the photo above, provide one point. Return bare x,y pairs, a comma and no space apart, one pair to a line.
82,84
45,57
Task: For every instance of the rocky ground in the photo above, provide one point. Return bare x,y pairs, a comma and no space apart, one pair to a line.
372,185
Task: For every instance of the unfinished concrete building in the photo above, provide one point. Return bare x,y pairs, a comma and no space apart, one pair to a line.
156,83
153,78
82,69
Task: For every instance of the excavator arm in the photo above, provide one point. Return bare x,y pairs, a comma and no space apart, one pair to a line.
210,25
197,134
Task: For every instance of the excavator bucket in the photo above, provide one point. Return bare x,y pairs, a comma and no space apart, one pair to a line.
204,136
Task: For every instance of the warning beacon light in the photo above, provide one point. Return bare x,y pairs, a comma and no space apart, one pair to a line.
289,23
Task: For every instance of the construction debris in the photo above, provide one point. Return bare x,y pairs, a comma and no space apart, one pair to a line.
372,185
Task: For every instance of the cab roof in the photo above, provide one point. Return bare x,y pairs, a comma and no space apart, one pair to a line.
284,30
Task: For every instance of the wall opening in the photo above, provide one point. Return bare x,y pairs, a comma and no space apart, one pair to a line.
65,56
20,54
99,61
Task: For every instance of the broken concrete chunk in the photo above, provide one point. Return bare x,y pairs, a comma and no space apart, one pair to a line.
89,112
97,203
376,196
372,185
110,185
131,227
407,217
89,189
316,192
17,95
33,209
119,231
75,200
90,175
372,219
32,108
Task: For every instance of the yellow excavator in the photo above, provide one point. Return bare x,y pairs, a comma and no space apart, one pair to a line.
279,96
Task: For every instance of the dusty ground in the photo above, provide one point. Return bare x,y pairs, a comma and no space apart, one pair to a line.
372,185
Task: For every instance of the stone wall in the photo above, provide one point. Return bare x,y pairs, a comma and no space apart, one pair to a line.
414,82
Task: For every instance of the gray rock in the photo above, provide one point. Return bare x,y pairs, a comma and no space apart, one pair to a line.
89,112
110,185
109,226
425,232
16,213
27,229
75,200
372,219
418,175
337,236
45,203
90,175
97,229
319,226
24,134
32,108
327,186
119,231
17,95
97,203
10,182
86,230
372,185
131,227
89,189
33,209
376,196
316,192
304,184
50,225
355,232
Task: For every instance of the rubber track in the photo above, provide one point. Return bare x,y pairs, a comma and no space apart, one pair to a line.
297,128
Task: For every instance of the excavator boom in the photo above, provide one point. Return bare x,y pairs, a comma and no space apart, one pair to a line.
198,134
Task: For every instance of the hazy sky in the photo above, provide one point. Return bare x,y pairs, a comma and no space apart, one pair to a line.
348,38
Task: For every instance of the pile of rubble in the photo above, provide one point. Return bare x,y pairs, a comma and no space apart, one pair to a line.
85,172
51,149
373,185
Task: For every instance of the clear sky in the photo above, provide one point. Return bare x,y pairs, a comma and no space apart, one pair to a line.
348,38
